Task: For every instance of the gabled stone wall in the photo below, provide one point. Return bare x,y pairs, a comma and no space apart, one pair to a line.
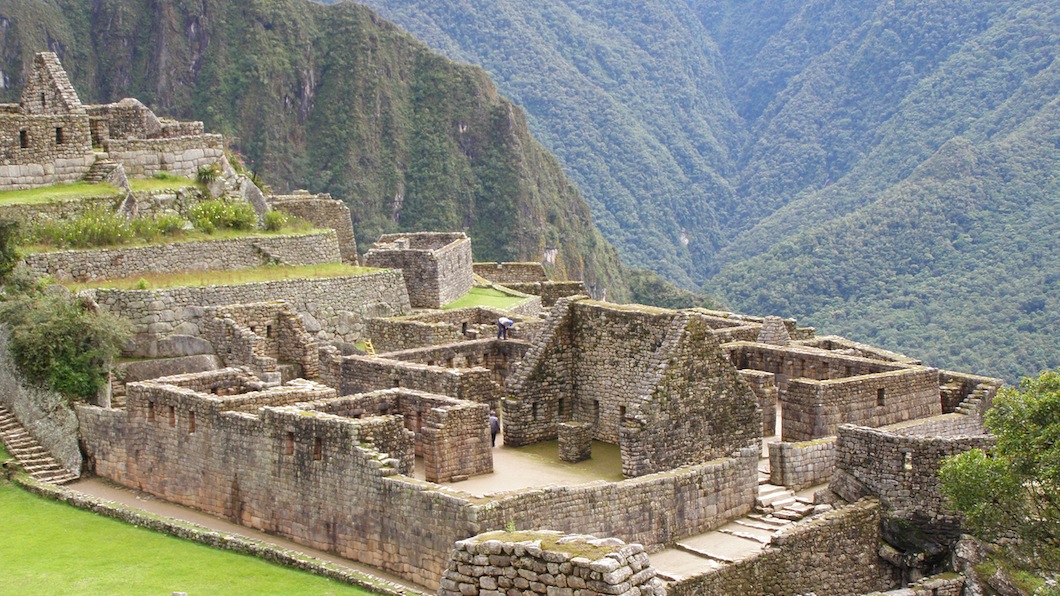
653,381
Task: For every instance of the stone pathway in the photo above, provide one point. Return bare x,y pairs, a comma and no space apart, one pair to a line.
33,458
777,508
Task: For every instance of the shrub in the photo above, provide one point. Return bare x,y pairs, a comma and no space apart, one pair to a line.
276,220
208,174
60,341
212,215
96,227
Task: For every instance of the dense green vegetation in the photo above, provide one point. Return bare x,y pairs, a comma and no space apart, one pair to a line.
880,170
51,548
58,340
330,99
1009,495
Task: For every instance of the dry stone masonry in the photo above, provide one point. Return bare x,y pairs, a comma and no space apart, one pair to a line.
437,266
548,563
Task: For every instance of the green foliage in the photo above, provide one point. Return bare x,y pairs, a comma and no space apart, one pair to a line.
1012,493
58,341
650,288
276,220
102,227
208,174
220,214
8,254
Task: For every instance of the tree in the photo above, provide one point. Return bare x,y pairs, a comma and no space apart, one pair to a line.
1012,494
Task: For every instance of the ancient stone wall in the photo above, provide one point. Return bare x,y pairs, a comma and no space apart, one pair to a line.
549,291
363,374
437,266
332,308
764,386
506,273
26,214
844,346
451,435
902,469
323,212
653,381
317,479
432,328
125,119
42,150
546,562
262,336
956,387
801,465
835,554
202,255
499,356
181,156
791,362
814,409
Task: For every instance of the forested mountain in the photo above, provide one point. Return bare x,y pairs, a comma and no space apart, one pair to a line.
330,99
883,169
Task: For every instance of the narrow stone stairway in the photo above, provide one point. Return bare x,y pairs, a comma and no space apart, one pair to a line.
33,458
102,168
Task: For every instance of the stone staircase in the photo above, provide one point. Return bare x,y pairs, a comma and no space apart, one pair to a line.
972,405
33,458
100,169
776,508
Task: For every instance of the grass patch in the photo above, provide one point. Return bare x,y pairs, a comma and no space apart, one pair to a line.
232,277
59,192
52,548
485,297
162,182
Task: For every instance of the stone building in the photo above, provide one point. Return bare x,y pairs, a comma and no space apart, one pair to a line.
437,266
50,137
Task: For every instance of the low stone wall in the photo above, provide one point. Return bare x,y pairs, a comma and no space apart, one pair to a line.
498,355
182,156
902,470
323,212
44,414
363,374
814,409
55,210
437,265
549,563
764,386
506,273
801,465
835,554
956,387
332,308
204,255
549,291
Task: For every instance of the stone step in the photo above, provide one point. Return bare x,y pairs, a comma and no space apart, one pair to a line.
767,520
787,514
33,458
750,523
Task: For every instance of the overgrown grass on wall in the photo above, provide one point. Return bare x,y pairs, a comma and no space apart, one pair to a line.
233,277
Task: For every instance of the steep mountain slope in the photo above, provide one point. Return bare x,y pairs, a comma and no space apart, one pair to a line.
816,121
332,99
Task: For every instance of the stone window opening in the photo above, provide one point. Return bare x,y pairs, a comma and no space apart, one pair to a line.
172,416
150,411
463,328
288,444
562,408
881,395
191,422
318,449
596,411
59,135
621,412
43,101
268,330
23,139
533,411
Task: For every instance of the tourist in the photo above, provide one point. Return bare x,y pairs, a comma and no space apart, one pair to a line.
495,427
503,325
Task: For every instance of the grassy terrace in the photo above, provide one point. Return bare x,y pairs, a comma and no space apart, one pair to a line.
84,190
184,236
52,548
232,277
486,297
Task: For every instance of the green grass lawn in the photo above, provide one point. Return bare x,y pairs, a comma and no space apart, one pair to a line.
60,192
163,182
52,548
487,297
231,277
183,236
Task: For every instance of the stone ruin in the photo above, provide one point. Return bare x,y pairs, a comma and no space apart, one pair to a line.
252,402
50,137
